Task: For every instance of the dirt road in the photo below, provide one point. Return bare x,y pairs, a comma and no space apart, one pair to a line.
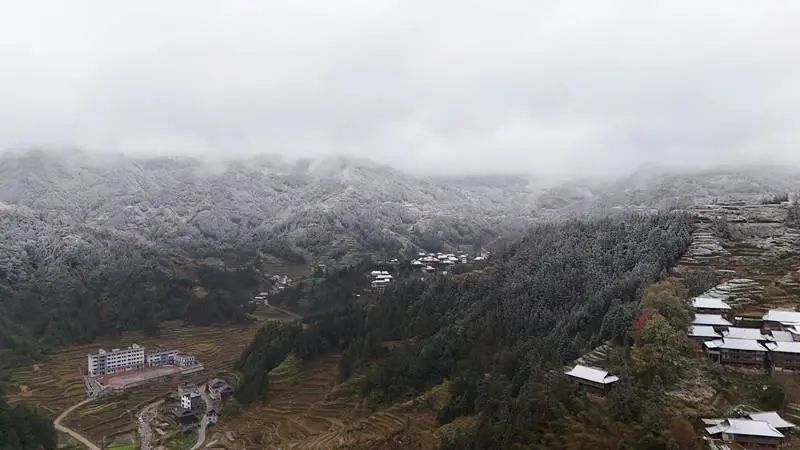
74,434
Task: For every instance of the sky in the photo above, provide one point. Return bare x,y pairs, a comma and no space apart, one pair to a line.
579,87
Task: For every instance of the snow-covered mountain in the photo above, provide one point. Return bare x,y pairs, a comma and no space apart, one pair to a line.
52,203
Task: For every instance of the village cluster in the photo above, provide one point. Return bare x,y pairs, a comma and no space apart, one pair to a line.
431,262
774,346
201,403
279,284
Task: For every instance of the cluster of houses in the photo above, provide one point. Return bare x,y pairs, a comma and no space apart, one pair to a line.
430,262
773,346
763,430
279,284
379,279
192,406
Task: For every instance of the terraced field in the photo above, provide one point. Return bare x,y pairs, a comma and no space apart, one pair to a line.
307,409
759,260
57,383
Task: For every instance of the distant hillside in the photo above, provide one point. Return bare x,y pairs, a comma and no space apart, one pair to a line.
329,208
114,242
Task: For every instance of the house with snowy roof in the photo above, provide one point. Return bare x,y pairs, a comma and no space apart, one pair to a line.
703,333
774,419
710,305
738,352
750,434
784,355
592,380
714,320
753,334
781,320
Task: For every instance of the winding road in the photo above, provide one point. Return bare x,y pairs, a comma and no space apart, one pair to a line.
75,435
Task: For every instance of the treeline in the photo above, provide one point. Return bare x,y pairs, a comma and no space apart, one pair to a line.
22,428
106,289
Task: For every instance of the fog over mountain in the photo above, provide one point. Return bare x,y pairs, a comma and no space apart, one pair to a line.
441,87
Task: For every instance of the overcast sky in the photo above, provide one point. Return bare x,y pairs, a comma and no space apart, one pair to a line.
434,86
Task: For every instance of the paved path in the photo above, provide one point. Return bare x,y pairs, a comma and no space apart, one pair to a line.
74,434
201,432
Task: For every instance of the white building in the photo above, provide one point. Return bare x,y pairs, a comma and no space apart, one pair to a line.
161,357
185,360
190,397
117,360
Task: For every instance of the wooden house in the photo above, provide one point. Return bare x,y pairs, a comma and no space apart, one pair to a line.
750,434
738,352
592,380
784,355
710,305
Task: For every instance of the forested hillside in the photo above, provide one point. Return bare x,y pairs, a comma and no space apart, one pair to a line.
23,429
500,336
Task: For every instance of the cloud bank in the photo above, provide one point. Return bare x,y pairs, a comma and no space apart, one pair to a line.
429,86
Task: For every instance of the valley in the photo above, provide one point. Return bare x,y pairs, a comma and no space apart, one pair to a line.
56,383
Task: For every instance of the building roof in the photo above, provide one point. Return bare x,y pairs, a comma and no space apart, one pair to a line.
783,316
745,333
710,319
772,418
736,344
709,303
745,427
592,374
702,331
784,347
782,336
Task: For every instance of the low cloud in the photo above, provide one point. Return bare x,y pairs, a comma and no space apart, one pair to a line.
581,87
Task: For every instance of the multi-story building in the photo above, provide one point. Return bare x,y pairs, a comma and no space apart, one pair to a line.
190,397
161,357
105,362
184,360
